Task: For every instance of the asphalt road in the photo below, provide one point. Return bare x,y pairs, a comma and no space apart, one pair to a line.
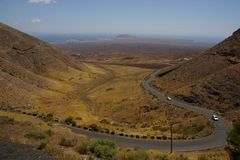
216,139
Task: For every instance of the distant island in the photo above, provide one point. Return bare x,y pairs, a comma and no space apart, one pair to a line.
126,36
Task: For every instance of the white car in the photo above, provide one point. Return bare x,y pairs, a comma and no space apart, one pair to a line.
169,98
215,118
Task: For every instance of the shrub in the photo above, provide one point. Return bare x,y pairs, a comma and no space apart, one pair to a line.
189,130
26,123
159,128
49,132
102,148
93,127
144,137
94,143
79,118
145,125
121,134
137,155
104,152
233,140
91,157
68,142
70,120
106,130
36,135
6,120
181,157
49,117
42,145
202,158
161,157
104,121
82,148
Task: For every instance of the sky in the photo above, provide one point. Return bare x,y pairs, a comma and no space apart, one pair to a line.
202,18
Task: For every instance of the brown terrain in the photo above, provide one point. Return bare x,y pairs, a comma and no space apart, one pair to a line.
32,69
132,46
37,77
100,90
211,79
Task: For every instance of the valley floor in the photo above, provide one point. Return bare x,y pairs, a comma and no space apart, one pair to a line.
110,98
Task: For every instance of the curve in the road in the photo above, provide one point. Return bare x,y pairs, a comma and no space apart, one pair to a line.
216,139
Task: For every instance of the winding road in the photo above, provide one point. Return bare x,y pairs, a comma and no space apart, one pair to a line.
216,139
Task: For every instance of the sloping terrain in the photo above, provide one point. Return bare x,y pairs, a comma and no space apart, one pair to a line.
211,79
39,78
31,69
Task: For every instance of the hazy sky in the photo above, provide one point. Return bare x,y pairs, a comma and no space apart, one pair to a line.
216,18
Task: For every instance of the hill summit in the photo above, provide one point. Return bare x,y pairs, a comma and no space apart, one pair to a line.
230,46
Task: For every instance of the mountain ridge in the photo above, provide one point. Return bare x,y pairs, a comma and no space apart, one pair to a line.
211,79
31,69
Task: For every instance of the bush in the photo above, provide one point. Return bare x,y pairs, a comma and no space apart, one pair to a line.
36,135
6,120
104,121
189,130
102,149
93,127
233,140
202,158
159,128
26,123
161,157
49,132
49,117
82,148
181,157
68,142
145,125
137,155
70,120
104,152
79,118
42,145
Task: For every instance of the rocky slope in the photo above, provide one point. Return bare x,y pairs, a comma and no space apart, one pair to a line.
211,79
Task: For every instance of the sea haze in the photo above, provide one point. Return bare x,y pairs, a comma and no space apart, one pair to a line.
107,37
72,37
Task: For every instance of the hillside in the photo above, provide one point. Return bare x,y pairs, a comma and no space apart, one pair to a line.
31,70
39,78
211,79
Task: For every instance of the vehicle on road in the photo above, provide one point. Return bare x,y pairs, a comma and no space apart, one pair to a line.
169,98
215,118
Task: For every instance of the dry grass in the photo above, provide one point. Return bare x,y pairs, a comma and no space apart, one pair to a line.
37,77
24,123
